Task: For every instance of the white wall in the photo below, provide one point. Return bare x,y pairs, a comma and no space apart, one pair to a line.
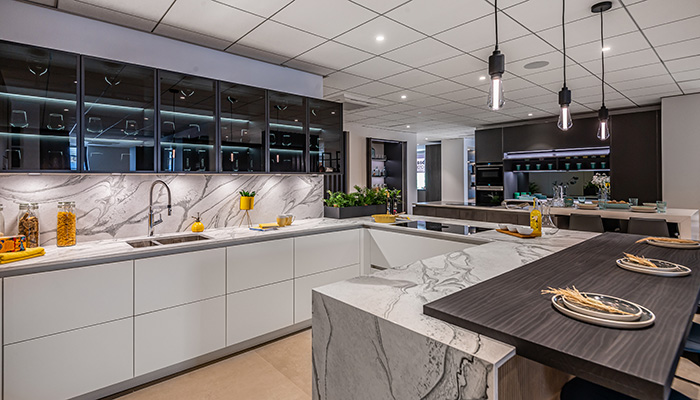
357,156
45,27
453,166
680,151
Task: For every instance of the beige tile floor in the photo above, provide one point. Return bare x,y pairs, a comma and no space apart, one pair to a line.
280,370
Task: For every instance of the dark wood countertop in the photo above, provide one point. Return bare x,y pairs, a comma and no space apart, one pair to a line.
639,363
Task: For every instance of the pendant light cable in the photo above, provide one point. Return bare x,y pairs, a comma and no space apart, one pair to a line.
563,36
602,60
495,13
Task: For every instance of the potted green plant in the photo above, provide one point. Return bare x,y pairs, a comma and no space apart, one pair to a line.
362,202
247,199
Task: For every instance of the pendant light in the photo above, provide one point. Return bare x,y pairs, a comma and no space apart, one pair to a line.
603,117
497,66
565,122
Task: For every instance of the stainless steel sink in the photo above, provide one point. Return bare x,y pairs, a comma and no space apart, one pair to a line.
164,241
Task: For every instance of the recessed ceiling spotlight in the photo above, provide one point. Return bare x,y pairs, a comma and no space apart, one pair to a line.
536,64
529,114
65,109
380,38
408,126
403,96
296,120
606,48
426,138
482,78
332,112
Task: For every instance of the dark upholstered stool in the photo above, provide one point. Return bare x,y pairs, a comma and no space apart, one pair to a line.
649,227
585,222
579,389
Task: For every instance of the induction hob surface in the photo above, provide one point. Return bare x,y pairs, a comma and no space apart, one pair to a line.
440,227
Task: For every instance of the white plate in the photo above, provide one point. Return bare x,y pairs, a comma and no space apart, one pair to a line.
621,304
513,228
643,209
646,319
695,245
679,271
660,264
587,206
649,204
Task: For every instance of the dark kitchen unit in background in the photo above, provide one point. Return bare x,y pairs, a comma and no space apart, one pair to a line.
632,155
386,165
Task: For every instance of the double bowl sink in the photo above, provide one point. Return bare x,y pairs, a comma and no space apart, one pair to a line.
166,240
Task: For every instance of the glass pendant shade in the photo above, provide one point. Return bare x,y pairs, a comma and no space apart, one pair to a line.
565,122
496,94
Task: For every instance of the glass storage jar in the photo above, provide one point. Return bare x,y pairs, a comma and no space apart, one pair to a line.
28,223
65,226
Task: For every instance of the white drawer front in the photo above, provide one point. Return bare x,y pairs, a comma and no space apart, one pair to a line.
50,302
168,281
259,264
318,253
167,337
69,364
258,311
303,287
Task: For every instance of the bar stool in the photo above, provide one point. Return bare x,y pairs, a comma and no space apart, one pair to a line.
579,389
585,222
650,227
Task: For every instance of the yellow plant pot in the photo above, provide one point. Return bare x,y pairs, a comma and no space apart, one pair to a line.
247,202
384,218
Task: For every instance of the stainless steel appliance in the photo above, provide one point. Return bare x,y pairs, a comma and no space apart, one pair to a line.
489,184
489,195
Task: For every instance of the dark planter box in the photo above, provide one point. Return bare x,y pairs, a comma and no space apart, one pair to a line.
352,212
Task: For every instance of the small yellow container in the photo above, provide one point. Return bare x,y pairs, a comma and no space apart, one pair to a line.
247,202
384,218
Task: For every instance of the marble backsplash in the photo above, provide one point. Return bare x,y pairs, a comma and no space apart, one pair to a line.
116,206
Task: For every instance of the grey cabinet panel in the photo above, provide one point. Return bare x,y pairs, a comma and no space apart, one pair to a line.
489,145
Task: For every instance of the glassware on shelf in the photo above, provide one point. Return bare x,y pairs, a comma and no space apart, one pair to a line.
55,122
593,164
18,119
548,225
603,164
581,200
661,206
579,165
633,201
94,125
603,198
66,224
28,223
131,128
559,193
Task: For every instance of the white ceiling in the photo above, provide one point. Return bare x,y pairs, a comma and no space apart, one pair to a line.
435,51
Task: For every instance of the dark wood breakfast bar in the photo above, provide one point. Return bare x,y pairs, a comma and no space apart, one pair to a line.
640,363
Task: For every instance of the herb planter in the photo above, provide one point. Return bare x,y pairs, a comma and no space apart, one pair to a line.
352,212
247,202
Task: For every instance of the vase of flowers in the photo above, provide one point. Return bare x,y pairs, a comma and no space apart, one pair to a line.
602,182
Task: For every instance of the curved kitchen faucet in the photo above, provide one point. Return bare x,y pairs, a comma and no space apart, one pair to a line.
151,214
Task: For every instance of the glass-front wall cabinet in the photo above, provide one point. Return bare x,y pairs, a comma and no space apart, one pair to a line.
118,129
38,117
287,133
187,123
325,136
242,128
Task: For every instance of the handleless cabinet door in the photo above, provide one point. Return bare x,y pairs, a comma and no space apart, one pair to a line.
69,364
167,337
326,251
258,311
259,264
51,302
167,281
304,285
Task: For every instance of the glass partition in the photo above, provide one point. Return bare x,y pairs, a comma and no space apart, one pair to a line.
38,100
287,133
242,128
118,131
188,125
325,136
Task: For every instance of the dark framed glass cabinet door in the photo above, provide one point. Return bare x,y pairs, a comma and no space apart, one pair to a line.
188,124
287,133
38,109
118,128
242,128
325,136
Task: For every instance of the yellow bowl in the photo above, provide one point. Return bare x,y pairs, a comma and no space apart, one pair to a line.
384,218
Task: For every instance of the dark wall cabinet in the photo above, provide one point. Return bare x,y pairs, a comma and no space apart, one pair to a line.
489,145
547,136
65,112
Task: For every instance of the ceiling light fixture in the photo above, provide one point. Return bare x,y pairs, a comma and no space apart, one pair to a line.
603,116
497,66
564,123
403,96
606,48
482,78
408,126
380,38
529,114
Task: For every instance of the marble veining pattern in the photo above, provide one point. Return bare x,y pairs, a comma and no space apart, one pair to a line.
116,206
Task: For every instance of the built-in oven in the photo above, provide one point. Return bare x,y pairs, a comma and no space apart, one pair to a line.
489,196
489,174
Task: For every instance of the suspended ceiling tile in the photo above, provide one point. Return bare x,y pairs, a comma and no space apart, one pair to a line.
438,87
684,64
374,89
151,10
665,88
428,101
433,16
411,78
257,54
308,67
145,20
626,43
426,51
456,66
364,36
464,94
671,33
636,84
679,50
447,107
585,30
268,37
538,15
528,46
327,18
380,6
523,67
683,76
330,91
334,55
690,86
191,37
410,96
397,108
262,8
655,12
623,61
633,73
50,3
480,33
212,19
377,68
343,80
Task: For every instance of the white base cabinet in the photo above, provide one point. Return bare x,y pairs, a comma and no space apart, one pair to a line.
177,334
304,285
391,249
69,364
258,311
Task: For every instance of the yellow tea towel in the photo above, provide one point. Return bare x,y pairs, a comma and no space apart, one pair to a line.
21,255
269,225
